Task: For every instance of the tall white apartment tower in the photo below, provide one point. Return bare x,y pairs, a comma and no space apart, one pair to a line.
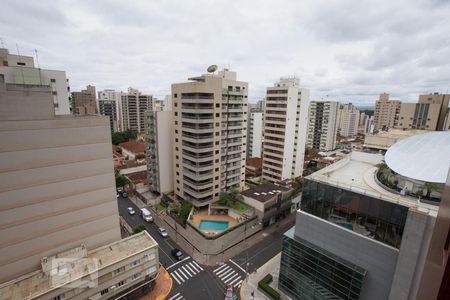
285,126
254,134
348,120
210,122
322,125
134,105
110,104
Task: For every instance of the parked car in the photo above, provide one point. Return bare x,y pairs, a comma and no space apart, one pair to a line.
146,215
162,232
177,253
131,210
124,194
117,195
230,293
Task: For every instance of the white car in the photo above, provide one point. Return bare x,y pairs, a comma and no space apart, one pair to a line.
162,232
131,210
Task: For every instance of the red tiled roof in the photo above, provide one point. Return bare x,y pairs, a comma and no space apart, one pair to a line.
254,162
133,146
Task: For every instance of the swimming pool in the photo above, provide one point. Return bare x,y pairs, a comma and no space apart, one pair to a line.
213,225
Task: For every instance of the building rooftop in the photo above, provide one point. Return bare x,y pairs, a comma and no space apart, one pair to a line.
356,173
424,157
385,139
254,162
264,192
133,146
73,264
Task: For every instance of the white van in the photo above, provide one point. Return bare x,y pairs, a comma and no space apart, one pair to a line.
146,215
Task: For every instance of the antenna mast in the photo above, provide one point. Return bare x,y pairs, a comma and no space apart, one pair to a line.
20,60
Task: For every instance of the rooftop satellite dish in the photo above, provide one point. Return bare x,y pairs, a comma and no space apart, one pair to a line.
212,68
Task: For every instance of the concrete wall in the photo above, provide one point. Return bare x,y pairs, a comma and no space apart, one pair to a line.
378,259
164,132
57,190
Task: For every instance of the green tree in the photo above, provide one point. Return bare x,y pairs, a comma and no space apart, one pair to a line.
125,136
183,212
121,180
429,187
138,228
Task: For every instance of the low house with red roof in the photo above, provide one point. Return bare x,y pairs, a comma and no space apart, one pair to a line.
131,149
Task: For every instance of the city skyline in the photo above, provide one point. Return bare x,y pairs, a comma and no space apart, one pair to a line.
319,44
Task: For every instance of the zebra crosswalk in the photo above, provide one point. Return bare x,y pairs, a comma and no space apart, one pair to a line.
185,271
228,274
177,296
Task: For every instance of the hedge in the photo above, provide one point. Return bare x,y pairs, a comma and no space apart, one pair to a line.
264,285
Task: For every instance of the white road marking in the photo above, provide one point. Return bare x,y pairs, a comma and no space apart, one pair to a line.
219,268
179,298
187,257
190,275
237,265
194,267
174,296
178,275
190,269
183,273
232,278
226,273
238,284
235,280
176,279
221,271
197,265
232,273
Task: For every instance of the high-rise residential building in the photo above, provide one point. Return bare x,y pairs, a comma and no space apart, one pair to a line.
210,122
19,69
386,113
134,105
57,186
428,114
110,104
254,134
84,102
354,238
446,126
322,126
285,126
157,104
348,120
159,150
369,125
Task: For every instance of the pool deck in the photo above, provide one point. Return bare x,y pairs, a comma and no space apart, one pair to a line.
203,215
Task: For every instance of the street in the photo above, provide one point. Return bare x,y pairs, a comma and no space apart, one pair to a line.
194,281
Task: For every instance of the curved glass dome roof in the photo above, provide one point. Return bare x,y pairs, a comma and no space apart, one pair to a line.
424,157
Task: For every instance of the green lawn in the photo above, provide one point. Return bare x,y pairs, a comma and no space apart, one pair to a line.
160,207
240,206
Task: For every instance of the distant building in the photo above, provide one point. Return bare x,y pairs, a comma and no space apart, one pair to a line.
19,69
253,166
84,102
110,104
254,134
385,139
348,120
369,125
322,127
210,124
447,122
386,112
124,267
57,188
159,150
134,105
285,126
429,114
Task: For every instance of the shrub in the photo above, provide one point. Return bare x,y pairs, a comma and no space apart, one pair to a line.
138,228
121,180
183,212
264,285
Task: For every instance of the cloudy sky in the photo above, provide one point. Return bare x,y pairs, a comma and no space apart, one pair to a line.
348,50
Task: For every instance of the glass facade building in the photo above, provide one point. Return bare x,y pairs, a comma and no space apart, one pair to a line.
366,215
310,272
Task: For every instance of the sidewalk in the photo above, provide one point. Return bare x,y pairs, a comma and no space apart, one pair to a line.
251,284
163,286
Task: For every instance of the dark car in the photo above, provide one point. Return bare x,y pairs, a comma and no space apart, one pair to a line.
177,254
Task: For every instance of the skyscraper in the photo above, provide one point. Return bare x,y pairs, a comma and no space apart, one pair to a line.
210,124
285,126
84,102
386,113
134,105
254,134
322,127
348,120
110,104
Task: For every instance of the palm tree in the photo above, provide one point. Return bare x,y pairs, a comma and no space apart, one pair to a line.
430,186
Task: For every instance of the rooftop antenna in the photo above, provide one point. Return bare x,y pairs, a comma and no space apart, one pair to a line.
39,67
211,68
20,60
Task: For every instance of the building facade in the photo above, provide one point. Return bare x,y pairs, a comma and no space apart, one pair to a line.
121,269
386,113
19,69
285,126
84,102
110,104
354,239
159,150
134,105
57,176
254,134
348,120
369,125
210,124
428,114
322,125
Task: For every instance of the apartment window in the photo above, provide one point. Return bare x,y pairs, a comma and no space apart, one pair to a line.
178,174
176,140
217,133
217,124
217,169
217,151
217,186
117,285
21,63
176,122
178,189
176,114
176,131
59,297
217,115
217,177
53,80
102,292
135,276
134,263
216,194
178,181
177,165
54,93
176,156
119,270
175,104
217,143
217,160
175,95
217,104
176,148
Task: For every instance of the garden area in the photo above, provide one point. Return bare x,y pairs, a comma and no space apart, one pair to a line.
233,199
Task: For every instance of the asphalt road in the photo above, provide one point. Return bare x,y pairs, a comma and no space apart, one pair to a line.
194,281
